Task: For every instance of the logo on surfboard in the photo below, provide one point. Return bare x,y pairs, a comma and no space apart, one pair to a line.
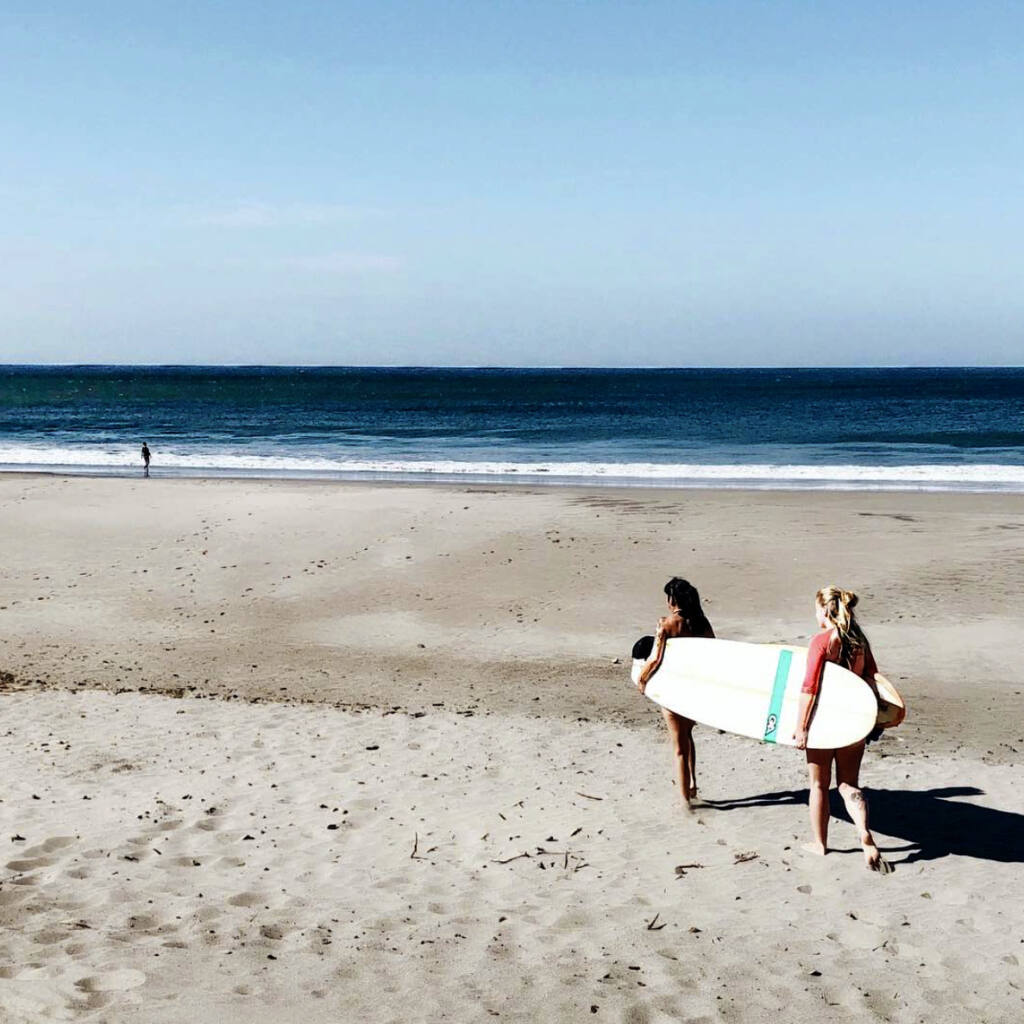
778,692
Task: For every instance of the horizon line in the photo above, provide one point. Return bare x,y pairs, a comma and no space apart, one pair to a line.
510,366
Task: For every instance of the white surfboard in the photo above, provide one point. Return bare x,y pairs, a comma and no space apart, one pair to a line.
754,690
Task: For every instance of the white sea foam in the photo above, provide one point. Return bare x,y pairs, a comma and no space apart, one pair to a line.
943,476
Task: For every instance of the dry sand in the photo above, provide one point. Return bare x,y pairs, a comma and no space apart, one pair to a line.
366,755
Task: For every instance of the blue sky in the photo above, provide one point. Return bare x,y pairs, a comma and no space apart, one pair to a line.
556,183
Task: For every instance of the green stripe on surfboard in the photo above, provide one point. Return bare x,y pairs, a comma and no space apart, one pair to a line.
771,724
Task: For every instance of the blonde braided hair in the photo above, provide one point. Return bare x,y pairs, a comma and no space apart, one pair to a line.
838,605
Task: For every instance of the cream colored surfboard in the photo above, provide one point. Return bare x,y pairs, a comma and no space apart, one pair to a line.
893,710
754,690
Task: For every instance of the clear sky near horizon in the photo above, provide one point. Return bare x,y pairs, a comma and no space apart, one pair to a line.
478,183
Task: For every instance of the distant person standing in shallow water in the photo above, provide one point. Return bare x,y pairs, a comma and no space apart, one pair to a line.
685,618
145,458
843,642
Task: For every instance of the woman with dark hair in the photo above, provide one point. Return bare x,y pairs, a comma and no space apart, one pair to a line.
685,618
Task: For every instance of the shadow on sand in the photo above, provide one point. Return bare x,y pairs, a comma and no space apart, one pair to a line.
932,821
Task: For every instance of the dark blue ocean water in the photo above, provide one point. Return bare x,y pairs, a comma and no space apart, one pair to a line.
904,428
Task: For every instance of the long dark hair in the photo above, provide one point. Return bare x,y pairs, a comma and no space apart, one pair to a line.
684,596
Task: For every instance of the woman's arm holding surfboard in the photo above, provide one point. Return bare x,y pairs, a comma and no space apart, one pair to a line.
654,661
803,719
816,658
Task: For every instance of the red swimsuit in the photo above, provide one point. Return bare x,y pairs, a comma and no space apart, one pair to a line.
824,648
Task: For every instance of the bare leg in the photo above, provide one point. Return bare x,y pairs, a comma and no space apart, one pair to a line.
679,733
819,772
848,775
693,760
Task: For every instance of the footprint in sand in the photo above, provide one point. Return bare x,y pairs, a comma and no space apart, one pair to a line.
180,862
248,899
143,922
111,981
31,864
50,936
51,845
229,862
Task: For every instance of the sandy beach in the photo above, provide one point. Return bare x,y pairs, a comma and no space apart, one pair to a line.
307,751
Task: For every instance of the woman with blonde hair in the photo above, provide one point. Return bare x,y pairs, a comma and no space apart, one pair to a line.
843,642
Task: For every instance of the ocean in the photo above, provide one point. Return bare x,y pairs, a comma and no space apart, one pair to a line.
906,429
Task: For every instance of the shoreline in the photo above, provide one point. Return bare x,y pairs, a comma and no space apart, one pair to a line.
805,483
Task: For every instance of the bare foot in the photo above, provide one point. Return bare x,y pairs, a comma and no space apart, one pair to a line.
818,849
873,857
